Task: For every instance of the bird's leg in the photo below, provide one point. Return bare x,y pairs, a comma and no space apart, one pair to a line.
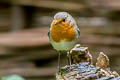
59,61
69,58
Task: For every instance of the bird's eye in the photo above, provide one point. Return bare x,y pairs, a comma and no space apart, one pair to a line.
63,20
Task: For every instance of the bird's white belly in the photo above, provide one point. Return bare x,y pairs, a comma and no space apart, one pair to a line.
63,45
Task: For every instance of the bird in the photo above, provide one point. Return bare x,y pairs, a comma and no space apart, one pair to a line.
63,34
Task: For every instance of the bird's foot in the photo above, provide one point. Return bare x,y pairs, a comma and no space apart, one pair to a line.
59,70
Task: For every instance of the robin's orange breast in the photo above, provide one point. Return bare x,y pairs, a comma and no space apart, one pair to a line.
63,31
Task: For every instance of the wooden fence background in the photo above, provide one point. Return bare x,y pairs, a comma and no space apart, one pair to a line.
24,44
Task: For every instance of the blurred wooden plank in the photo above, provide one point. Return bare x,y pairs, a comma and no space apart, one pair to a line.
100,40
112,30
13,64
69,6
29,72
29,55
26,38
102,4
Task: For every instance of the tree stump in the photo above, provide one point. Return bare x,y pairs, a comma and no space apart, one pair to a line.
82,67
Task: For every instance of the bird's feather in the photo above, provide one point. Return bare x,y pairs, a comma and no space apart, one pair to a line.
49,34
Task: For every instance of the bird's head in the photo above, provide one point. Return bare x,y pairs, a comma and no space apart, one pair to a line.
63,17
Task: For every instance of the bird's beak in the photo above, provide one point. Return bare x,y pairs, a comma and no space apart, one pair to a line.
55,23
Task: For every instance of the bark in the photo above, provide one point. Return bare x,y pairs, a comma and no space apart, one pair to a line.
83,68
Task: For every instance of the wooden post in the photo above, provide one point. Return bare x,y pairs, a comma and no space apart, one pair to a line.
17,18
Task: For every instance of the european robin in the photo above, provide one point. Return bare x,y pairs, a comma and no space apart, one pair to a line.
63,34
